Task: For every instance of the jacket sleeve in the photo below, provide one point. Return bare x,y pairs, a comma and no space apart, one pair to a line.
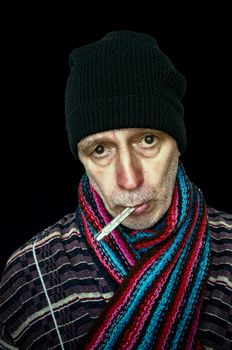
10,303
6,341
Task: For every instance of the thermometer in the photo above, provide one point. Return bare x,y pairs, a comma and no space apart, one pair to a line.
114,223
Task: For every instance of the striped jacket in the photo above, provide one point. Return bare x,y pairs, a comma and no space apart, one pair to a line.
53,289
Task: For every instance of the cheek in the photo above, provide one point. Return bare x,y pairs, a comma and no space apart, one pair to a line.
102,182
158,172
154,173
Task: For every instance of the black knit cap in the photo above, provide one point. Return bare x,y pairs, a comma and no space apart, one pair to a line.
123,81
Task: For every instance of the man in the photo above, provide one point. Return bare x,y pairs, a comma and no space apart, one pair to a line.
162,277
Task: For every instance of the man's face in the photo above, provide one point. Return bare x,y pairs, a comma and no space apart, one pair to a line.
132,167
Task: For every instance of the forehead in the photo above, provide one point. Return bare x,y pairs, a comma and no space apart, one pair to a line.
130,132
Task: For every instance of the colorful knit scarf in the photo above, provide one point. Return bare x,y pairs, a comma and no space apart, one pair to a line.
161,272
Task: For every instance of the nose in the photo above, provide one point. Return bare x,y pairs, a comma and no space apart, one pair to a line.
128,171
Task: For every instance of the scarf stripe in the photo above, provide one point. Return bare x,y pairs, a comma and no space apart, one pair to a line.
178,298
161,272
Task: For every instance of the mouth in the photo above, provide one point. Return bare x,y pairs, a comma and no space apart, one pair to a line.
141,209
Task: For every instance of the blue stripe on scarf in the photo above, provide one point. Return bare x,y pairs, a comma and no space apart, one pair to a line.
141,288
186,210
188,310
184,192
109,253
149,336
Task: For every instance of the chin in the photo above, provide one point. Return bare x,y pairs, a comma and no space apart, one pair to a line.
142,223
137,226
145,221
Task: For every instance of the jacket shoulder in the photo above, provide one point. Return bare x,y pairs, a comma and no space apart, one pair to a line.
20,281
21,260
215,325
219,221
54,233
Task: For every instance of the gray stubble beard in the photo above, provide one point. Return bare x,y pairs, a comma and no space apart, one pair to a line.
161,199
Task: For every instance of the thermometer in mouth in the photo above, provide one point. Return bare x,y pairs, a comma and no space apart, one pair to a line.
114,223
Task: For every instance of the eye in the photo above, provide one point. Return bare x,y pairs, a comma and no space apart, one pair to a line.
99,150
149,139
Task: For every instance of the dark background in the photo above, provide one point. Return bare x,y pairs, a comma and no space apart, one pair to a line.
39,175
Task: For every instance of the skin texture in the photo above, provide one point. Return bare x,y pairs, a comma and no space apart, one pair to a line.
132,167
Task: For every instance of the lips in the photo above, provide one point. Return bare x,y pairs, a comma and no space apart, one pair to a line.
141,209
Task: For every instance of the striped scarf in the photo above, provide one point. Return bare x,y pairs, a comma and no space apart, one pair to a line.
161,272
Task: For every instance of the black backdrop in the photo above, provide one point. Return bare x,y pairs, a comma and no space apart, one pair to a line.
39,174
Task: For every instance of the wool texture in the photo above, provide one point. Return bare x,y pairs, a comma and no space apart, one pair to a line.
161,272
